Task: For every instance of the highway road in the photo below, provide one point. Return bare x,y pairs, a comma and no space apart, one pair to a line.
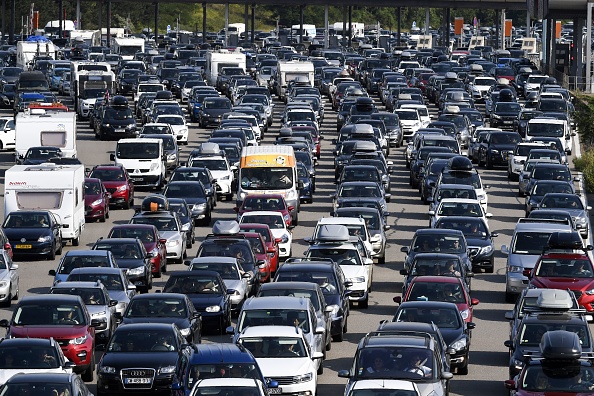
488,358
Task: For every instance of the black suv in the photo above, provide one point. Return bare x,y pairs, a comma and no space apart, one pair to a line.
117,121
496,147
131,256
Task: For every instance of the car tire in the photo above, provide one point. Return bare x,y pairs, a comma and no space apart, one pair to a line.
510,297
52,254
463,370
321,368
365,303
338,337
382,259
76,241
89,374
8,302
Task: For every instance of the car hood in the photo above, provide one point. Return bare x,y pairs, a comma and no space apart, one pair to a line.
182,323
562,283
169,235
502,146
352,271
215,112
130,263
92,198
524,260
6,374
572,212
58,332
201,301
507,113
280,367
234,284
147,359
450,335
119,295
28,233
429,388
149,246
113,183
477,242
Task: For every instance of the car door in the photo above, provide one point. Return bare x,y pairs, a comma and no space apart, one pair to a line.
319,339
14,275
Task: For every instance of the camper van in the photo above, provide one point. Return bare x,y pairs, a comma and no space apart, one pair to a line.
88,37
215,61
38,127
144,159
33,47
309,32
127,47
291,71
57,188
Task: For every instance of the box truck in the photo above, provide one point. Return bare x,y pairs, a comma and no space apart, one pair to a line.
38,127
57,188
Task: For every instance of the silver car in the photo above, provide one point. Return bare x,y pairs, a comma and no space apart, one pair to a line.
9,279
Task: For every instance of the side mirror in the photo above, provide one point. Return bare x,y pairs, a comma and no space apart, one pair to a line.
404,249
509,344
388,197
403,272
320,330
113,303
4,323
397,299
504,250
187,262
230,330
510,384
52,272
344,374
474,301
112,157
509,315
470,325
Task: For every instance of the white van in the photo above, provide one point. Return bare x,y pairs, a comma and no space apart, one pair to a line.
144,160
37,127
57,188
550,127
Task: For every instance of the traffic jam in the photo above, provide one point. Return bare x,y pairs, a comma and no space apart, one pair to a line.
188,220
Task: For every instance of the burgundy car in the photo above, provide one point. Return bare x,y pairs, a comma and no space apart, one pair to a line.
270,241
118,184
260,202
261,253
154,244
96,200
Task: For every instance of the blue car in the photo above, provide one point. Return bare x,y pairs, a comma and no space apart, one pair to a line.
55,76
306,194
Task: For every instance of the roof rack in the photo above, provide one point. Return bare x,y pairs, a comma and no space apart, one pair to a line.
559,346
294,260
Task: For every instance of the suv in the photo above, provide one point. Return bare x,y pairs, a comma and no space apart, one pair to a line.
116,121
117,182
496,147
64,318
528,240
413,357
96,298
211,157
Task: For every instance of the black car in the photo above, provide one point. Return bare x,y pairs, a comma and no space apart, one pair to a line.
323,272
39,155
212,111
495,148
436,264
430,240
478,238
208,293
131,256
21,354
45,384
505,115
117,121
35,233
194,193
10,74
126,81
363,189
172,308
418,161
454,330
142,358
200,174
7,94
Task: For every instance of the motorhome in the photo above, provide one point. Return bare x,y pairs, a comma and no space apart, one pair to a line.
57,188
52,28
529,45
215,61
88,37
38,127
309,31
90,85
34,47
80,66
291,71
127,47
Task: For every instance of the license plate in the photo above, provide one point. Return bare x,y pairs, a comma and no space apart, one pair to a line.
508,122
137,380
138,178
120,130
23,247
275,391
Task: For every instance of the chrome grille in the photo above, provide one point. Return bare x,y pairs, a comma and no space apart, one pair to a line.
132,375
285,380
111,190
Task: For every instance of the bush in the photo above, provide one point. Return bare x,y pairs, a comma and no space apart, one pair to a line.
585,164
584,119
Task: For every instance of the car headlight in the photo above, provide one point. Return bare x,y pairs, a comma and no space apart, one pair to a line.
580,220
97,202
171,157
358,279
225,177
514,269
185,332
291,195
213,308
78,340
517,161
183,131
200,206
107,370
154,167
185,227
98,314
486,249
122,188
3,283
136,271
465,313
121,306
518,364
459,345
286,217
173,243
45,238
376,238
167,369
588,292
481,197
304,378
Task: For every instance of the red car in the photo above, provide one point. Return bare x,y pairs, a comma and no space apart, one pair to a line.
564,271
64,318
440,288
151,239
117,182
270,241
96,200
272,202
261,253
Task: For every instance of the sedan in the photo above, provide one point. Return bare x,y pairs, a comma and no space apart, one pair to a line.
573,205
195,195
170,308
35,233
96,200
208,293
457,207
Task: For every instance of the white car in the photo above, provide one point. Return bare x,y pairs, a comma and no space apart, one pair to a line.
423,113
9,279
517,158
355,225
233,280
410,120
278,227
7,133
283,355
170,229
458,207
383,386
178,124
480,87
220,169
147,87
229,386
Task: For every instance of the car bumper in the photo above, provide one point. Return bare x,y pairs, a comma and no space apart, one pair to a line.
112,384
145,180
459,359
515,282
31,248
358,292
94,212
78,354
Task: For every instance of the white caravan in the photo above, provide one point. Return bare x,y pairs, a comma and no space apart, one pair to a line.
36,127
127,47
28,50
215,61
57,188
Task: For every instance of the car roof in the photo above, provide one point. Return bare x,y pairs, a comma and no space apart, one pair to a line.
214,259
437,231
77,285
161,296
54,298
12,342
96,270
341,220
428,304
284,285
276,302
272,331
86,253
43,378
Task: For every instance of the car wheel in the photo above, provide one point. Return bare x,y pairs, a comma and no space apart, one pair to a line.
365,303
463,370
52,253
321,368
76,241
382,260
89,373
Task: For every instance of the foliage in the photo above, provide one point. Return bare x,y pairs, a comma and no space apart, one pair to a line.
585,164
584,118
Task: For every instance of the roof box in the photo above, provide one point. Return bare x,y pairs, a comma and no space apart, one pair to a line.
164,95
460,163
154,203
476,68
554,299
560,345
119,101
333,233
210,148
362,146
225,227
451,76
565,240
453,109
285,132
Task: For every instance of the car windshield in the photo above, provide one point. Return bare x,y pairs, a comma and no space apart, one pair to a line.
435,243
271,220
117,114
24,220
185,190
89,296
549,173
162,223
341,256
530,242
460,209
348,191
49,314
70,262
408,115
276,317
156,129
225,370
565,268
228,271
507,107
443,318
411,363
138,150
545,188
42,153
217,104
545,379
195,284
467,178
30,357
156,307
436,291
435,266
112,282
569,201
142,341
530,334
108,174
470,228
171,120
275,347
211,164
268,178
307,293
92,188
